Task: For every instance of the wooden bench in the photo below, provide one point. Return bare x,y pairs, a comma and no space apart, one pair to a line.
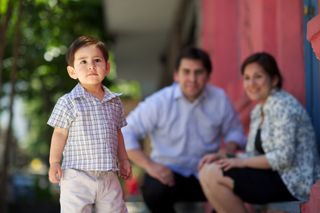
311,206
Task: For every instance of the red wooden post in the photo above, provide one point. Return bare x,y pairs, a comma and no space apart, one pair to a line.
313,204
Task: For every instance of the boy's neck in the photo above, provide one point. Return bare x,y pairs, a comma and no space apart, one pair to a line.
95,90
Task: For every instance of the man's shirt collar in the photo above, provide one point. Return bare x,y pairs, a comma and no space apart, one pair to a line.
177,93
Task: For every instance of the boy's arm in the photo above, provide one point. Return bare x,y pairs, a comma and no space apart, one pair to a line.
125,167
58,141
122,153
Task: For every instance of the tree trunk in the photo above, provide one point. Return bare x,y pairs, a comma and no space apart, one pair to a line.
8,138
3,30
179,37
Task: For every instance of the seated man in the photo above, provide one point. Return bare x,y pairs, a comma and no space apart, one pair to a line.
185,121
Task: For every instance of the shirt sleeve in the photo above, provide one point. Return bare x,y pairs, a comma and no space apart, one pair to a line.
232,127
62,115
141,121
122,119
284,133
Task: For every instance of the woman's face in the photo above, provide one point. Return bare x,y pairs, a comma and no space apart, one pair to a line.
257,83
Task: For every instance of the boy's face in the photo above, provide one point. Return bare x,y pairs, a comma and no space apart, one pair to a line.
89,66
192,77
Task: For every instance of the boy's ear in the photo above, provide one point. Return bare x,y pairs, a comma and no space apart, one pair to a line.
107,68
72,72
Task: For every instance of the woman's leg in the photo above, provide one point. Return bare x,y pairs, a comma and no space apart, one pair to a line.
219,190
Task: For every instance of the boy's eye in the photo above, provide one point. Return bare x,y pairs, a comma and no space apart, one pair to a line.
97,60
83,62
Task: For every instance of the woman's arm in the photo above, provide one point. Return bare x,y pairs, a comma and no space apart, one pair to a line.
257,162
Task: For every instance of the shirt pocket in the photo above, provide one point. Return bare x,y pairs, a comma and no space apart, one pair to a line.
208,131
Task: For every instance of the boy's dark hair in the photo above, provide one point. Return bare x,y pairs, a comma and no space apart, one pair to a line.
268,63
84,41
195,54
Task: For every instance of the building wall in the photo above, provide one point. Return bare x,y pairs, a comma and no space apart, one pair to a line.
233,29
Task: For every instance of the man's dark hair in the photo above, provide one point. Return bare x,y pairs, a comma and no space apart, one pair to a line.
84,41
195,54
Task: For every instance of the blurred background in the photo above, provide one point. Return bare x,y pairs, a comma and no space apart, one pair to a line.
144,37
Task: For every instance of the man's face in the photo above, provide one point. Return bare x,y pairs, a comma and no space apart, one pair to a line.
192,77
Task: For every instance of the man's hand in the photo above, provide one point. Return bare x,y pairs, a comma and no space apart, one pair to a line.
231,148
161,173
209,158
55,173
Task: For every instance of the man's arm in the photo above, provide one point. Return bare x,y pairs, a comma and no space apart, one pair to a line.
232,130
154,169
58,141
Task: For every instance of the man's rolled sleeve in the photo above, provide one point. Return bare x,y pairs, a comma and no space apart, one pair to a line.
237,137
232,127
131,142
140,122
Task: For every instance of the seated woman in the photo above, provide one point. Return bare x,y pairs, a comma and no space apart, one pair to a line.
281,162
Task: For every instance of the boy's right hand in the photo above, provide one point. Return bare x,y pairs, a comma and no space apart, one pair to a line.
55,173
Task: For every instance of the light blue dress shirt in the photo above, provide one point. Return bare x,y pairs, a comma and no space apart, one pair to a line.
182,132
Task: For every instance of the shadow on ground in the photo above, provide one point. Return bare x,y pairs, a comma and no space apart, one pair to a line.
34,207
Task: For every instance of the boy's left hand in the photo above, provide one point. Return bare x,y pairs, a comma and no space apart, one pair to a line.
125,169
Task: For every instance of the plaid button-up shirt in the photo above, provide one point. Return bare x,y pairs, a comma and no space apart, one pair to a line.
92,141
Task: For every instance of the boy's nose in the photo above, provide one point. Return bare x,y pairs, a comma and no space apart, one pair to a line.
92,65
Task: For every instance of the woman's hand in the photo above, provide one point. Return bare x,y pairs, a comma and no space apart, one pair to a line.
228,163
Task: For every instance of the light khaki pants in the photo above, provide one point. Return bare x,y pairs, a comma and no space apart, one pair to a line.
87,192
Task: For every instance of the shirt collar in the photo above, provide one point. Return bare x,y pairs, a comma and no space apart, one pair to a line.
177,93
78,91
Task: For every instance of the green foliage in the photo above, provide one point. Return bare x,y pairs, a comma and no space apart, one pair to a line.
47,33
3,6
